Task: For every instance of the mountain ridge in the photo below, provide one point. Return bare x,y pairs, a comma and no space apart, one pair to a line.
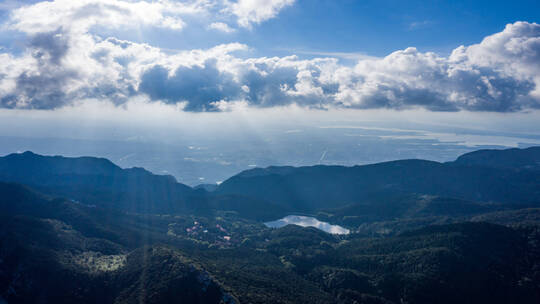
96,181
313,186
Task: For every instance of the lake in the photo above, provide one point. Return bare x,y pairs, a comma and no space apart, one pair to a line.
307,221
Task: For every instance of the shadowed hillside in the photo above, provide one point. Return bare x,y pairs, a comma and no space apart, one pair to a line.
312,188
97,181
421,232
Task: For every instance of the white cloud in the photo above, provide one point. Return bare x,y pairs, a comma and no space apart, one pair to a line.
79,16
514,52
251,12
222,27
499,74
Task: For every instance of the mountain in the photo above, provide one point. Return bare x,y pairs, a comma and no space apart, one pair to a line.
97,181
59,251
54,250
503,176
528,158
306,189
403,207
421,232
457,263
47,261
206,187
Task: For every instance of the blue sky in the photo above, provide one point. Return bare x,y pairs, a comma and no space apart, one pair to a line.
378,28
374,28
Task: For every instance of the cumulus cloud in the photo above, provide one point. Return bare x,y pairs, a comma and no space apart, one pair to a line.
80,15
222,27
499,74
251,12
64,61
39,79
198,86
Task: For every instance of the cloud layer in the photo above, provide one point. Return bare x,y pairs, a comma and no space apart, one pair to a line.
65,59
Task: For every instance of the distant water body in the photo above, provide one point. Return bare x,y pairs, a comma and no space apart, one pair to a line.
307,221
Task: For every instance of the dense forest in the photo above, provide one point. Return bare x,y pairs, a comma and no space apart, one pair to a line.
87,231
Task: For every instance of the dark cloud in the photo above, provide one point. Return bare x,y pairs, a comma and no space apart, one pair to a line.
45,91
198,86
44,88
265,90
403,97
50,47
472,90
491,91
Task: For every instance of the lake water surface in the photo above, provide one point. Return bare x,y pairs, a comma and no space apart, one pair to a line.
307,221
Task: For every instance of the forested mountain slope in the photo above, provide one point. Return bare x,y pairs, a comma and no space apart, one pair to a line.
316,187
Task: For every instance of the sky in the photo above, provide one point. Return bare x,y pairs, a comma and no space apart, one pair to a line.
172,70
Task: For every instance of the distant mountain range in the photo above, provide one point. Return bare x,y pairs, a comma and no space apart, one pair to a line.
99,182
515,158
96,181
509,177
485,176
